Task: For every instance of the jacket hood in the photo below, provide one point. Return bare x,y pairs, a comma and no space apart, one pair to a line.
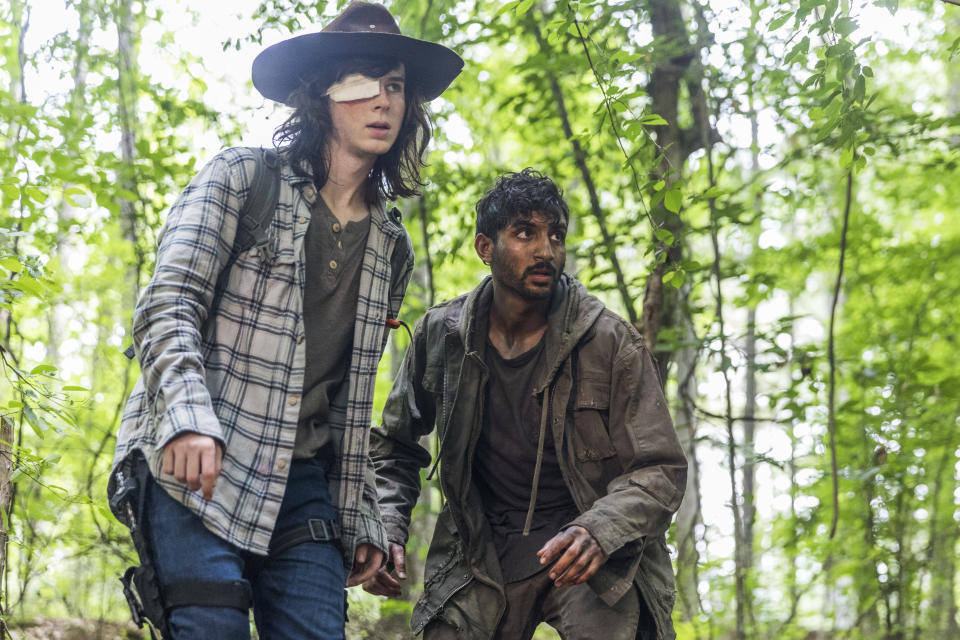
571,315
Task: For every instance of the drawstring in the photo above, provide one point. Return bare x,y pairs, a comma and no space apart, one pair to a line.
536,469
433,469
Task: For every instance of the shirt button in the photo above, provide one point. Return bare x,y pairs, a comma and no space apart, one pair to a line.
300,338
333,264
282,464
303,219
336,227
339,245
309,191
293,401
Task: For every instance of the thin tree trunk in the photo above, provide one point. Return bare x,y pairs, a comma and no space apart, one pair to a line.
427,261
127,49
6,496
669,29
689,514
942,553
8,490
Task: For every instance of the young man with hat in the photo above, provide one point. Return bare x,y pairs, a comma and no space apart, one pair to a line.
558,459
253,408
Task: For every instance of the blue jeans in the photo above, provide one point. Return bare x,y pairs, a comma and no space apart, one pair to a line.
297,595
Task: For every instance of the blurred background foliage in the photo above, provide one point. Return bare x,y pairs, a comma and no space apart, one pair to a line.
768,192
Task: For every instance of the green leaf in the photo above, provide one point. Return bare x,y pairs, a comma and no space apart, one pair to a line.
678,279
38,425
35,194
77,197
523,7
845,26
799,49
652,119
713,192
867,71
672,200
73,387
659,185
860,89
43,369
10,191
780,20
664,236
846,157
11,264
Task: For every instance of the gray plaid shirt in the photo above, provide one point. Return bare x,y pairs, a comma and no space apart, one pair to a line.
238,376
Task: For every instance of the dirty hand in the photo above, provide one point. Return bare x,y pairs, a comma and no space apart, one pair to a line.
580,556
366,561
386,582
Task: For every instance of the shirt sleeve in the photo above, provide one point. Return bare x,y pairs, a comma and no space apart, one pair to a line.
394,446
194,248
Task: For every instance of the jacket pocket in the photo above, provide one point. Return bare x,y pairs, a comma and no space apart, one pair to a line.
593,448
446,572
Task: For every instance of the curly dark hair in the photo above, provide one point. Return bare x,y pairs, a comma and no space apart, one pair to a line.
305,134
519,195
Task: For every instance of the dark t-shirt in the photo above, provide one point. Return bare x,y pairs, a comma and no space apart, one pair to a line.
504,462
333,255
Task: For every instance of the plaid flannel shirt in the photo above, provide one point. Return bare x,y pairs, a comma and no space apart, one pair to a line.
237,375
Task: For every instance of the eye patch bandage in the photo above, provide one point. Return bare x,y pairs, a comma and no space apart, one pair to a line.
354,87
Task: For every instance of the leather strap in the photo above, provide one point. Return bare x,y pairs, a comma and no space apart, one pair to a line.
315,530
235,594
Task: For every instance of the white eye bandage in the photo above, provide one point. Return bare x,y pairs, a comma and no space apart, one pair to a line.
354,87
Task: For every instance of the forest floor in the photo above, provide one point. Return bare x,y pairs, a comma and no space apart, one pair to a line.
75,629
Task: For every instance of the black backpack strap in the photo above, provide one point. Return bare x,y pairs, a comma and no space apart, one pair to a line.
401,253
260,205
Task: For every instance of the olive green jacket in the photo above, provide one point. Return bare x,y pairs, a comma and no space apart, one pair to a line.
616,445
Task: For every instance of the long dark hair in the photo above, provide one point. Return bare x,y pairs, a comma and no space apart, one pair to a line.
306,134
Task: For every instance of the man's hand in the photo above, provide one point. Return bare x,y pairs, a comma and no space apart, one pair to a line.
385,582
195,460
366,561
581,558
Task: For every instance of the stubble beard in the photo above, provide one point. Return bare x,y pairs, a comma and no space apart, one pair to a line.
504,274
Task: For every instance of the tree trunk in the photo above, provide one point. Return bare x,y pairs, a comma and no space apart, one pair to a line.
689,515
942,556
674,59
127,70
6,496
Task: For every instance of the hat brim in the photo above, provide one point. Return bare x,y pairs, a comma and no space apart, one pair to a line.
280,68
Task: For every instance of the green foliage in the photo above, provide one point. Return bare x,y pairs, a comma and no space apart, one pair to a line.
566,88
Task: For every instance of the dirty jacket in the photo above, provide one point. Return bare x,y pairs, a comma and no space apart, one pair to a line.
231,366
618,453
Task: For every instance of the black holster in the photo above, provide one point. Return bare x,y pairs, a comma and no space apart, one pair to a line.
149,601
141,587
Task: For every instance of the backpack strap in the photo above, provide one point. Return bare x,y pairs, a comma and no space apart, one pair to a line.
401,253
256,215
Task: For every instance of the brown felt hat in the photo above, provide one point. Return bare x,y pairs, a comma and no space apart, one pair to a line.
363,29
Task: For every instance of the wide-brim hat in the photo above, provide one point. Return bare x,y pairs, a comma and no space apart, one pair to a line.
363,29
